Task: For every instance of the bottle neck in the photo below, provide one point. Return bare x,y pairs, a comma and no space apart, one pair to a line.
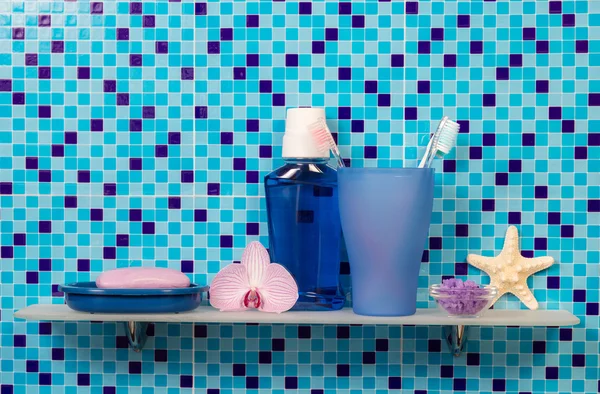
305,160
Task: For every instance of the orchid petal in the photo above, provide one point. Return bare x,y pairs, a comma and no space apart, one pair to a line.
229,287
256,260
279,290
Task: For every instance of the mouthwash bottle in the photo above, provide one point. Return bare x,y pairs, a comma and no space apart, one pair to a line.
303,215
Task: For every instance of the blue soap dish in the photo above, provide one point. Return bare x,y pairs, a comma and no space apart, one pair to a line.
87,297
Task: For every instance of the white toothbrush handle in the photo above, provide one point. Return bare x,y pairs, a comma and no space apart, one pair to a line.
425,158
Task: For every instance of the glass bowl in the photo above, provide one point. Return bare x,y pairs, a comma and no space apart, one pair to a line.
463,302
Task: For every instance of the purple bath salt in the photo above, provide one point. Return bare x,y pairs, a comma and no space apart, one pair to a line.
462,298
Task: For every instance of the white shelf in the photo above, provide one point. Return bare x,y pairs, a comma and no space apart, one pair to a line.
207,314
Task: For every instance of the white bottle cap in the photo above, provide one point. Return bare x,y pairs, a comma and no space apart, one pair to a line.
298,141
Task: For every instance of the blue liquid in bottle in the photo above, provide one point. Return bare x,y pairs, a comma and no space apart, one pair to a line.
305,230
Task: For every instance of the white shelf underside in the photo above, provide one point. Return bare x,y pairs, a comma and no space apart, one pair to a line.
207,314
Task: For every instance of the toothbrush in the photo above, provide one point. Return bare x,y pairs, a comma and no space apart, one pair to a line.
441,142
324,139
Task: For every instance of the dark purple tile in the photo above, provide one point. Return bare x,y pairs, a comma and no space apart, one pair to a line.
58,150
44,20
476,47
31,59
18,98
437,34
70,137
542,46
161,151
581,152
70,202
226,34
266,86
529,33
161,47
201,112
357,126
213,189
200,215
252,125
423,87
594,99
253,60
540,243
19,340
582,46
579,295
463,21
45,226
83,265
498,385
96,215
450,60
384,100
239,164
44,111
424,47
213,47
122,98
110,189
265,151
83,176
252,229
252,20
515,165
19,239
186,381
7,252
110,86
45,328
135,60
18,33
239,73
148,228
278,100
135,8
555,7
135,215
226,241
542,86
345,73
567,231
412,7
45,379
201,9
135,164
568,20
187,176
318,47
475,153
174,137
148,112
528,139
394,382
135,367
135,125
187,73
122,240
97,124
291,382
410,113
44,73
501,179
488,205
58,47
187,266
149,21
305,8
568,126
516,60
6,188
489,100
555,113
331,34
541,191
174,203
358,21
44,176
252,177
291,60
123,34
96,8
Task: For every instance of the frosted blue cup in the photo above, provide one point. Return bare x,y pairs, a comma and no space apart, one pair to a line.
385,215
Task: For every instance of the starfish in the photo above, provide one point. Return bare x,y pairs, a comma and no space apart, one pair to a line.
509,270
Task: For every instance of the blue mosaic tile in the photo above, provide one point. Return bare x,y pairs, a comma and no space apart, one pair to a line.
138,133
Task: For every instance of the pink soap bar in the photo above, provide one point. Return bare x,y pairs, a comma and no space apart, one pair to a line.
142,278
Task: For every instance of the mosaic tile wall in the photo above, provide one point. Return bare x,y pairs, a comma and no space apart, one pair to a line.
138,133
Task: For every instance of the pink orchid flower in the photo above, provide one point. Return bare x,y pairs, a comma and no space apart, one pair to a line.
255,283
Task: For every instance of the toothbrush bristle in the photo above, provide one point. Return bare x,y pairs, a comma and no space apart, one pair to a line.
447,137
322,136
